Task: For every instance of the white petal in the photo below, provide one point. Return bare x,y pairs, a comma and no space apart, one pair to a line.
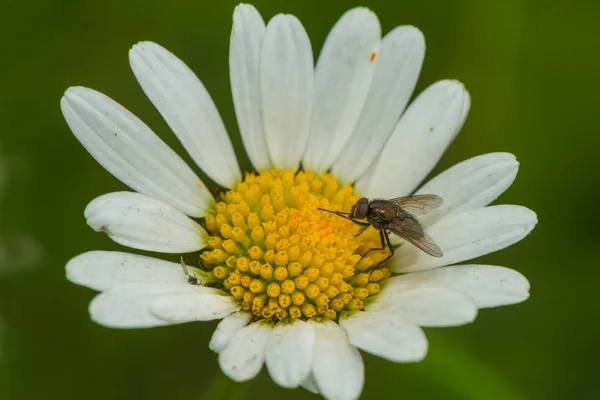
141,222
289,353
193,306
398,66
429,306
487,285
189,110
422,135
101,270
389,336
468,235
286,90
128,305
310,384
227,328
471,184
343,77
244,356
338,368
244,71
130,151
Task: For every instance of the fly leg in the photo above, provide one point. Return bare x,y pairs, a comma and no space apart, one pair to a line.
362,230
382,236
389,245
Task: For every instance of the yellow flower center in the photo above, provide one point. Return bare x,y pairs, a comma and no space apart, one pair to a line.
272,248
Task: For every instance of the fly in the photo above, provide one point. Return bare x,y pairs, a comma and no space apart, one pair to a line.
398,216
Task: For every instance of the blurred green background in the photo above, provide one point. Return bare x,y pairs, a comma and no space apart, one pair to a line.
532,69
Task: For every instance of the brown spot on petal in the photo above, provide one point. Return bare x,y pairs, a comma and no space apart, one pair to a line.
372,57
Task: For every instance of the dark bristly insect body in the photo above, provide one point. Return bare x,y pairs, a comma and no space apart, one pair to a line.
398,216
192,280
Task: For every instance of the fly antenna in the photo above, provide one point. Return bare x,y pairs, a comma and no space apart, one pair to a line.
340,213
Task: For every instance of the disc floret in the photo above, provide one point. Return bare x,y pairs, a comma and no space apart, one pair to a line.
271,247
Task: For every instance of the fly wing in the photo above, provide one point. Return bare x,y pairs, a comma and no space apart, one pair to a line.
410,230
419,204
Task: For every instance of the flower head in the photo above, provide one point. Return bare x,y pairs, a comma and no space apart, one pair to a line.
298,287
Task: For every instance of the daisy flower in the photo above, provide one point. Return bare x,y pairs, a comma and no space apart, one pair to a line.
287,279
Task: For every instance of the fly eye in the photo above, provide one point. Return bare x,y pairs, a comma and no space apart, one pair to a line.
359,210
